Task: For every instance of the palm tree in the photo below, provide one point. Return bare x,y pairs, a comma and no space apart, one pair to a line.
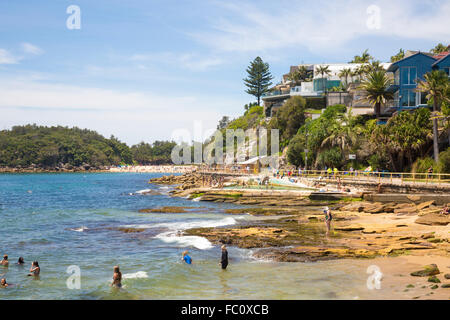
345,73
435,85
364,58
324,70
342,133
299,75
375,89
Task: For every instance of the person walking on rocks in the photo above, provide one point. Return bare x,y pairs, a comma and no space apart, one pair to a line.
328,218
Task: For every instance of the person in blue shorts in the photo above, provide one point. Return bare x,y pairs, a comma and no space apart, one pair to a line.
186,257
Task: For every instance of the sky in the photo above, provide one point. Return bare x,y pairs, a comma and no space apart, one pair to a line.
147,70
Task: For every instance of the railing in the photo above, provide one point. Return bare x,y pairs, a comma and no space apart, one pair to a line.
378,177
355,175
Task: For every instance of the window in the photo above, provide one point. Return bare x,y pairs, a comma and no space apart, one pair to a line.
397,77
408,75
447,71
423,98
408,98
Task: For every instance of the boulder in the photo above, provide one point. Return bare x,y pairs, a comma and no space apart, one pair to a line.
447,276
429,270
376,207
434,219
434,279
406,210
425,204
427,235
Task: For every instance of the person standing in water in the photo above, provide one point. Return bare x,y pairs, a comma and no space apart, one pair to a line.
186,257
328,218
35,270
224,259
117,278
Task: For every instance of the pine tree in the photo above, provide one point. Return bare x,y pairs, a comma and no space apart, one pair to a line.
259,78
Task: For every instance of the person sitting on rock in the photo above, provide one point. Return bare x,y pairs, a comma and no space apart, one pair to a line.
445,210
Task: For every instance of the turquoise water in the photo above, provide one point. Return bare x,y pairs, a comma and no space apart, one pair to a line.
72,219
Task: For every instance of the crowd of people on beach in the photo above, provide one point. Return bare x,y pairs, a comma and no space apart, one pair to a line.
212,181
35,270
154,169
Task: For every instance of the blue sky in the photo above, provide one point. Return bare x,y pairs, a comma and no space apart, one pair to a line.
142,69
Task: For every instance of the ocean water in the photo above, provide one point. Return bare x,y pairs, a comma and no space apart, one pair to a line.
78,219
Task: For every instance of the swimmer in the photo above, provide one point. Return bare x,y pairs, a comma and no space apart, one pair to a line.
20,261
117,278
5,261
186,257
3,283
35,270
224,259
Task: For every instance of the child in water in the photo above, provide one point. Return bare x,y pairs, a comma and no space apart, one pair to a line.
117,278
186,257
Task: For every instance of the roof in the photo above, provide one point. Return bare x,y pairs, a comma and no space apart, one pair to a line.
442,56
394,67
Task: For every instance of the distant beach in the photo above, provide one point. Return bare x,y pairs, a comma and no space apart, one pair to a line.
154,169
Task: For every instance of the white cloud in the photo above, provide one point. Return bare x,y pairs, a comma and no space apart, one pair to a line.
7,58
320,25
132,116
31,49
190,61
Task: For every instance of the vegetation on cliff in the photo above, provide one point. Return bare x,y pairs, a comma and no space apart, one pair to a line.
51,147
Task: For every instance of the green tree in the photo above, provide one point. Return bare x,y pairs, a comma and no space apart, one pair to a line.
301,74
399,56
345,73
439,49
290,117
259,78
365,57
403,138
375,90
435,84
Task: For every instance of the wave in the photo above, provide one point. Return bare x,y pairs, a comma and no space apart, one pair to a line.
173,236
143,191
136,275
196,224
184,241
80,229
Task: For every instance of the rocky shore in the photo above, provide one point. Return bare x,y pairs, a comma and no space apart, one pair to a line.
291,227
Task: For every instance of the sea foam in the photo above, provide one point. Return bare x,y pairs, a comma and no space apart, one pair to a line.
173,236
136,275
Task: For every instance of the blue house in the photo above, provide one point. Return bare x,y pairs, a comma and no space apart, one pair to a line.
443,64
407,72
